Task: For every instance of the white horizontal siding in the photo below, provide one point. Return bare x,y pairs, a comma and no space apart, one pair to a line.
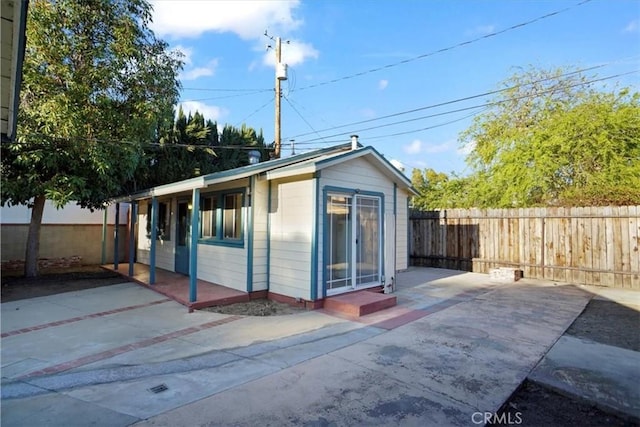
291,219
260,202
223,265
402,221
358,174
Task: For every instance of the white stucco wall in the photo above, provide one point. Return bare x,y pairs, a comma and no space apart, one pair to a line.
69,214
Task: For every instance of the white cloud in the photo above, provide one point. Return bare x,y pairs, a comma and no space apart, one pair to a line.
438,148
481,30
198,72
187,53
417,146
632,27
382,84
414,148
191,18
368,113
467,148
293,53
210,112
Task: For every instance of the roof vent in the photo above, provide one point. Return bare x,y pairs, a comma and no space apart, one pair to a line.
354,142
254,157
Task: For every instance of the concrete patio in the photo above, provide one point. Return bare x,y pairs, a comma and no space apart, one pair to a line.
454,345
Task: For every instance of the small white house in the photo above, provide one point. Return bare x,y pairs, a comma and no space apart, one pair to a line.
297,229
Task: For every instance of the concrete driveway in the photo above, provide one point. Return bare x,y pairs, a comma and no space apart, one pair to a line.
455,345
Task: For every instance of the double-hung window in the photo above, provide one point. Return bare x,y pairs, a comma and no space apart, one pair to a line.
221,218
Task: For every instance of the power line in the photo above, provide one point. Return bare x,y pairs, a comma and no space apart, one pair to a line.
255,112
426,55
237,95
453,101
430,116
59,139
489,104
429,127
225,90
302,117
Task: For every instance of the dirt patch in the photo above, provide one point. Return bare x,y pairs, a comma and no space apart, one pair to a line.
608,323
533,405
55,281
602,321
256,307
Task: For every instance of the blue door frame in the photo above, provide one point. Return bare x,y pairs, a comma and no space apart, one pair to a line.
183,236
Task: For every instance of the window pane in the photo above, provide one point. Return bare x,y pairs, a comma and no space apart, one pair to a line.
232,216
163,227
164,222
208,219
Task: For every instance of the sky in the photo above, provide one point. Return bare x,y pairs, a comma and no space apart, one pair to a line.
353,63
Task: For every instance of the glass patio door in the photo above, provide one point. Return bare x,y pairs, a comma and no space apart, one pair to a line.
354,242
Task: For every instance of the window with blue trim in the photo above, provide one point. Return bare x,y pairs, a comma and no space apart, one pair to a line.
221,217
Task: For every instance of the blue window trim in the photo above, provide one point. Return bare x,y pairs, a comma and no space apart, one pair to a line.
219,240
325,226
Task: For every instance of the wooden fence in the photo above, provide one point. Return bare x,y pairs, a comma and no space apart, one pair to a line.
593,245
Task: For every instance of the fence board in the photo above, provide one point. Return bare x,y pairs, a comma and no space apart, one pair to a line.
592,245
634,245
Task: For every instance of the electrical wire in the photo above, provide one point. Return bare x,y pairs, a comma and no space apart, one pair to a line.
302,117
324,139
445,49
255,112
453,101
227,96
429,127
224,90
489,104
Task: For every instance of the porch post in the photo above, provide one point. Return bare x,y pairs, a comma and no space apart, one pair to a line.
193,252
132,235
250,212
104,235
313,294
154,235
115,238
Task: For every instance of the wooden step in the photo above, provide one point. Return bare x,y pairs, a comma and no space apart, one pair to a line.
359,303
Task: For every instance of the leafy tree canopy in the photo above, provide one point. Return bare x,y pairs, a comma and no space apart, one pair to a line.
550,138
96,83
192,146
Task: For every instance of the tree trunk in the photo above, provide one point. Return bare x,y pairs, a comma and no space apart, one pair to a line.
33,239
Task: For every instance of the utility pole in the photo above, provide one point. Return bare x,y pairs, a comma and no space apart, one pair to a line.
281,74
278,98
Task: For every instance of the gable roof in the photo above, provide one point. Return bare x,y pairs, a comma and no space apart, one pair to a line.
309,162
370,153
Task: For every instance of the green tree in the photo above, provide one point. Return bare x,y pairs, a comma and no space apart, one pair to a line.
192,146
441,191
553,139
96,85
